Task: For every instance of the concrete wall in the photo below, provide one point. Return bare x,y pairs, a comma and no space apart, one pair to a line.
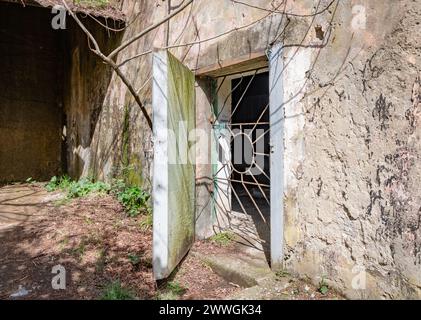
351,90
53,91
30,98
86,83
352,152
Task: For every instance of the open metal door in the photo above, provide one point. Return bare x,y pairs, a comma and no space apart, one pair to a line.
277,118
173,104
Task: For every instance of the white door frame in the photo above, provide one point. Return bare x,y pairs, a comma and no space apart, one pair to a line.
277,119
277,177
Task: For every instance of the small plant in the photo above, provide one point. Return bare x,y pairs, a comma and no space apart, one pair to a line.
223,238
76,189
84,187
282,274
172,291
79,251
134,259
134,200
147,222
323,287
115,291
117,186
176,288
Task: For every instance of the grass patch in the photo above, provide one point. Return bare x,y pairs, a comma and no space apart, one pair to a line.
76,189
80,250
172,291
84,187
147,222
323,287
134,200
58,183
134,259
223,238
115,291
282,274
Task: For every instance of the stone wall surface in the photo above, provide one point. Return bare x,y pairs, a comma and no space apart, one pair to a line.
352,198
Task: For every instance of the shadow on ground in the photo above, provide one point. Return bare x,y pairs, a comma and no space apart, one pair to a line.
91,238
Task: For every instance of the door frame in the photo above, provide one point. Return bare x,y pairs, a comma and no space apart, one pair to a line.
272,60
277,146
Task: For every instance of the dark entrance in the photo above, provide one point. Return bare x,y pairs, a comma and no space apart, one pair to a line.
250,156
31,117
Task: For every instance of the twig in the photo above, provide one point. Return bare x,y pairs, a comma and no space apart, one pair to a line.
108,60
147,30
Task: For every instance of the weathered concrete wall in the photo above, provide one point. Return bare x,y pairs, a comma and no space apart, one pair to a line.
134,144
351,126
30,98
353,148
86,83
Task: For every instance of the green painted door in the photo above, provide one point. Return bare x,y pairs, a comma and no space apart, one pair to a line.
174,117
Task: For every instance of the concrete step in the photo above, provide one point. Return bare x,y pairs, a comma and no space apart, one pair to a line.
239,268
268,289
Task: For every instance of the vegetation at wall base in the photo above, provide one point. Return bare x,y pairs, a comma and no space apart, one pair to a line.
134,199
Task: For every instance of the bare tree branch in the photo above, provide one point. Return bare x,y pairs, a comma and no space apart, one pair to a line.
111,63
149,29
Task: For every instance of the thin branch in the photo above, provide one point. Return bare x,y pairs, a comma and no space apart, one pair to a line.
111,63
192,43
147,30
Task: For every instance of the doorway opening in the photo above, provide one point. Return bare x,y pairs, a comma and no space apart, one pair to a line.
31,108
242,177
53,90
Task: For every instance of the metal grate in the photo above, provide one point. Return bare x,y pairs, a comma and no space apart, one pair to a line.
242,128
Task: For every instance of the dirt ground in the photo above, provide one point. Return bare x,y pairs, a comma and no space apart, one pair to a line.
94,240
98,245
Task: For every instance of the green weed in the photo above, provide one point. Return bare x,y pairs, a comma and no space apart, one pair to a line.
323,287
134,259
223,238
282,274
134,200
115,291
77,189
58,183
147,222
172,291
84,187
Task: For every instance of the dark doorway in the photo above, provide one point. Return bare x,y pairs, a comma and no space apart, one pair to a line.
250,153
31,115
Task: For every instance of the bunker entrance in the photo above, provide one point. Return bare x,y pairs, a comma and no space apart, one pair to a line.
31,115
243,174
52,92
